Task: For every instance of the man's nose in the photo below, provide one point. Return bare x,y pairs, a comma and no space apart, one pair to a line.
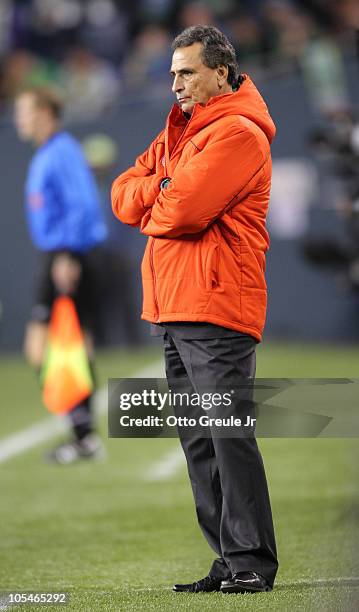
177,84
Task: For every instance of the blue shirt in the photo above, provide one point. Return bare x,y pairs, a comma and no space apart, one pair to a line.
62,202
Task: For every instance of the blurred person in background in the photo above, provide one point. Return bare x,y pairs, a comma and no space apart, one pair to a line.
155,11
106,28
90,84
246,34
200,192
47,27
195,12
147,60
65,224
24,69
296,39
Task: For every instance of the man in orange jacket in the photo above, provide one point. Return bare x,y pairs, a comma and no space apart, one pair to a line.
200,192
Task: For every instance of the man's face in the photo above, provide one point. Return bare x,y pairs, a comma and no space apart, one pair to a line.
27,116
193,82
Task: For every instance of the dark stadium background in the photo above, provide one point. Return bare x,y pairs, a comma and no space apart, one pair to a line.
122,48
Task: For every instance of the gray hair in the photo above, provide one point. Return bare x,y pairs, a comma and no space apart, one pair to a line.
217,50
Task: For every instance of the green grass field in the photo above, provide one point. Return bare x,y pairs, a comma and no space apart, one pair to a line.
116,541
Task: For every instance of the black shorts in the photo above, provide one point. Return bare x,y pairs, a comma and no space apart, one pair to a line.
85,295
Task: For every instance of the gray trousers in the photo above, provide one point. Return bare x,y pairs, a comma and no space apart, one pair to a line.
227,474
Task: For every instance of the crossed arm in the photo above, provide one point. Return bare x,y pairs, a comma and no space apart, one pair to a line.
200,191
135,190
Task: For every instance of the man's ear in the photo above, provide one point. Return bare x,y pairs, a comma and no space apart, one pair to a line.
222,74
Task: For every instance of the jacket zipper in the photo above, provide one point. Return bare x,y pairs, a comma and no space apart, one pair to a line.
154,278
182,134
153,240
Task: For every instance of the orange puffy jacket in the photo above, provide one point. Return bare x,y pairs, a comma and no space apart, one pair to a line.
205,256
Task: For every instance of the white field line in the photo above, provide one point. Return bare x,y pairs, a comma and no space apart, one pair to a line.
23,440
166,467
329,581
45,430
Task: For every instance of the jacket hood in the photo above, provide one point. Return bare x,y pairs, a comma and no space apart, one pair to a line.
247,102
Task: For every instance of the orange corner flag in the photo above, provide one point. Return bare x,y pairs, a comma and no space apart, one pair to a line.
65,375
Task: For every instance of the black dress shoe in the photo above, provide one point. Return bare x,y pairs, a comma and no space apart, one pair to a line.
205,585
245,582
